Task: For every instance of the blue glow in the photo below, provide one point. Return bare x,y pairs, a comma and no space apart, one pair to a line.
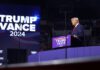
36,18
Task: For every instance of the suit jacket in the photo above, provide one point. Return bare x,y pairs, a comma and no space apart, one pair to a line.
78,31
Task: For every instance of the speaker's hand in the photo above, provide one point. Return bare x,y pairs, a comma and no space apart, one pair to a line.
75,36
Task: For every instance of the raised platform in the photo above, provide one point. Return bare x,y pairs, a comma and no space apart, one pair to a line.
66,53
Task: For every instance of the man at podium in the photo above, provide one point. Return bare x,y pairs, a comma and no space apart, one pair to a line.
77,32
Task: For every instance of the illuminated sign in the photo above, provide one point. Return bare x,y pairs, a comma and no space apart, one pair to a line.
17,25
61,41
20,27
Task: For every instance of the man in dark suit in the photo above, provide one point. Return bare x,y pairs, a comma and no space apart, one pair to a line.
78,32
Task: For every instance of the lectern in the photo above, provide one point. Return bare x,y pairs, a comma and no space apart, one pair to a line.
65,41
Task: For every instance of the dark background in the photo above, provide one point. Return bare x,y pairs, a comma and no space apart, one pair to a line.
85,9
56,15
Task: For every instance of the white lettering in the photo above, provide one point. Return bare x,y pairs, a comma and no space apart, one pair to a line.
26,27
8,18
10,27
3,27
18,27
2,18
16,19
24,19
32,27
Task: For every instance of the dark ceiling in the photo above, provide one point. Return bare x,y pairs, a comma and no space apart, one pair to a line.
84,9
56,9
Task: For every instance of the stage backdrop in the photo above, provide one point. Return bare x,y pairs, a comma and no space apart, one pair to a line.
19,27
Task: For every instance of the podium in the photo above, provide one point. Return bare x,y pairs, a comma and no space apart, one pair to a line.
65,41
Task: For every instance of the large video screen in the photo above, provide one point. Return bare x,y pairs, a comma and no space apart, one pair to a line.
19,26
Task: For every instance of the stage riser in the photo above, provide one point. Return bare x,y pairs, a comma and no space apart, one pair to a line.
65,53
